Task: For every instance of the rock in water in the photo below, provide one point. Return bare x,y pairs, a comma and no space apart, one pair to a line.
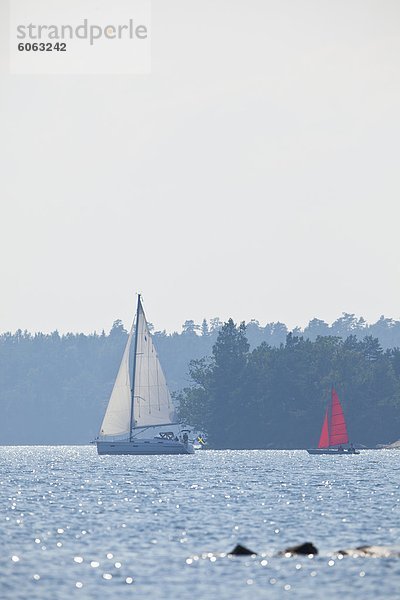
305,549
240,550
373,551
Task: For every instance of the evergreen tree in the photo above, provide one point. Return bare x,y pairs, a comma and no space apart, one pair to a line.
204,328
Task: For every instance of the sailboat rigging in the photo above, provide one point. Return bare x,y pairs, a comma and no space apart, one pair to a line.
139,418
334,431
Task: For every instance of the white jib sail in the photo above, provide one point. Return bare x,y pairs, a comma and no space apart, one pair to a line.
118,414
152,400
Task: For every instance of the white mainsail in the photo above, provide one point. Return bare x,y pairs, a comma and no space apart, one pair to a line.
118,414
152,401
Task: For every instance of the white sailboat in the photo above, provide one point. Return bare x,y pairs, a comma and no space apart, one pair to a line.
139,418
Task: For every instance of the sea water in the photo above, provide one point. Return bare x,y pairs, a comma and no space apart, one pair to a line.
77,525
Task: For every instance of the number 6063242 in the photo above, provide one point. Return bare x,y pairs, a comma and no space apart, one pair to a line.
42,47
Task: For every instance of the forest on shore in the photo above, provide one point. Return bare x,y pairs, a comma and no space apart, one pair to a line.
54,388
276,396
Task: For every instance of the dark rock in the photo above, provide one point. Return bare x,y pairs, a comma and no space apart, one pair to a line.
305,549
240,550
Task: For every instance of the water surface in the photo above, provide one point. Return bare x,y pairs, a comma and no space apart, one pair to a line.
73,523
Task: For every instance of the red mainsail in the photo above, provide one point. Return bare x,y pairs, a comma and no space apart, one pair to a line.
324,438
338,430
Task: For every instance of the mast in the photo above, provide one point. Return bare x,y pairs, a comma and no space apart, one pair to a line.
134,369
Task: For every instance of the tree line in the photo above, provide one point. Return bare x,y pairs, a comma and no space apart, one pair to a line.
276,396
54,388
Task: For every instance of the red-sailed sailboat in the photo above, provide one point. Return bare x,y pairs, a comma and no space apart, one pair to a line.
334,431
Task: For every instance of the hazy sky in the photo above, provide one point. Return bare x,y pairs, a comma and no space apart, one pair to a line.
254,173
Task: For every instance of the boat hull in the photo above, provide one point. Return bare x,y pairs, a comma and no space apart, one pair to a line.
144,447
332,451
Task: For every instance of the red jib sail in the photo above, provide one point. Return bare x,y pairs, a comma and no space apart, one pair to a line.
324,438
338,429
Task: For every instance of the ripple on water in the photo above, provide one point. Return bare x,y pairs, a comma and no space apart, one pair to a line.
74,521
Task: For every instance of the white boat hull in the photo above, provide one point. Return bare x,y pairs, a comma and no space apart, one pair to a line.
143,447
332,451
